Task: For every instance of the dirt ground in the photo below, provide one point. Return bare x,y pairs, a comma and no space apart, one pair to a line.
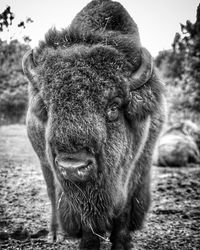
173,221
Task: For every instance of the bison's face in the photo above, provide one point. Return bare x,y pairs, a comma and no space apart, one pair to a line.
95,121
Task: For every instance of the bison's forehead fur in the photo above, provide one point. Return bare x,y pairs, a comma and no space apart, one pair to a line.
81,74
87,77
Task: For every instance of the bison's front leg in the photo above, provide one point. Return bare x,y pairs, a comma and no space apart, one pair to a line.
120,236
55,234
89,241
132,218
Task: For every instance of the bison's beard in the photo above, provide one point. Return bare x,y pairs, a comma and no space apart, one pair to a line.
85,205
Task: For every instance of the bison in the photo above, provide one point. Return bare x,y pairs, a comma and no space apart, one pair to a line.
178,145
96,108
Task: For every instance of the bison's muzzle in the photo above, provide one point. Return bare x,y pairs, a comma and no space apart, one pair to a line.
79,166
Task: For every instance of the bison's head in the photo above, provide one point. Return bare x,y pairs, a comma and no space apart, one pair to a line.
94,95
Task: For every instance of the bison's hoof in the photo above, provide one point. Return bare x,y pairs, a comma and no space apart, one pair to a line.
60,237
89,244
120,246
55,237
51,237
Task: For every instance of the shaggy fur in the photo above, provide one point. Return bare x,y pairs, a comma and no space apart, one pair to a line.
82,79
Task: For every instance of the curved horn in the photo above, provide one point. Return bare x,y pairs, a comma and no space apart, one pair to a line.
28,66
143,74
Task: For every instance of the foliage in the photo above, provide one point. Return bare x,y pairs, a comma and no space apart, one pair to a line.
170,64
13,85
7,19
180,67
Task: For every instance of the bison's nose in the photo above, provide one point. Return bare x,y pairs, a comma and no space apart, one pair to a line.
77,167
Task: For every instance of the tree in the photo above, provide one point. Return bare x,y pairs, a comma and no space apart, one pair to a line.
13,84
189,46
181,65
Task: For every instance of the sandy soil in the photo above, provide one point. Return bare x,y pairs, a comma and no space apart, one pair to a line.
173,221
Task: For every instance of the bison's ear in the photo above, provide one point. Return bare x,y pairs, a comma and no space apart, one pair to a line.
144,73
29,66
141,100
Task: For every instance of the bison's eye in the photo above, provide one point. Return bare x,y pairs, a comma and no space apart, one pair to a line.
113,112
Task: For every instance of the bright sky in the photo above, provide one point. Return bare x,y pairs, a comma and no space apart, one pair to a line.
157,20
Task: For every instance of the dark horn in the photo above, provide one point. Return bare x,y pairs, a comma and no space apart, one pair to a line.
143,74
28,66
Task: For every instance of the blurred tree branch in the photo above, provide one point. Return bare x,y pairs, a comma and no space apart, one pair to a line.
6,20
